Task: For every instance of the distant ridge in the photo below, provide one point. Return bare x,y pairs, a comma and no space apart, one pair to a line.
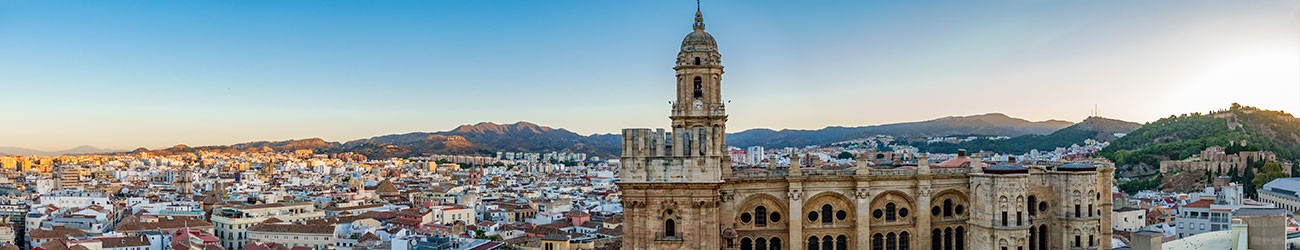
1096,128
985,124
84,149
487,138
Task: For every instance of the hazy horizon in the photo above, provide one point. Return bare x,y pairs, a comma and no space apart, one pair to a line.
546,125
123,75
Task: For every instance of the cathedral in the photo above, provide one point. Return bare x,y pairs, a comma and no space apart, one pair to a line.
680,190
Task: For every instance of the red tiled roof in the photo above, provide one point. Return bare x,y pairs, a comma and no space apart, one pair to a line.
1200,204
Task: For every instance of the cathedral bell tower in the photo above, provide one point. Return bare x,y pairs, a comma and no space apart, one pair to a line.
670,179
699,85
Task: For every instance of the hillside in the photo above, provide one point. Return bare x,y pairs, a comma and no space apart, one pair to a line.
483,139
486,139
73,151
1180,137
1096,128
259,146
986,124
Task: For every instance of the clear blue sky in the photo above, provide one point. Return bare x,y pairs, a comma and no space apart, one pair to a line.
126,74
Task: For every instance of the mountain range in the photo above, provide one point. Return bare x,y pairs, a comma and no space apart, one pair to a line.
985,124
488,138
85,149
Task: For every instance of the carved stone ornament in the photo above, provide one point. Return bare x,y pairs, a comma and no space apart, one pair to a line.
668,204
728,196
923,192
862,193
633,204
795,194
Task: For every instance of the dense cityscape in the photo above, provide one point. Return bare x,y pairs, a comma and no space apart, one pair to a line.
1216,180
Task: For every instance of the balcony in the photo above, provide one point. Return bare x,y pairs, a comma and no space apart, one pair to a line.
659,236
705,109
1025,224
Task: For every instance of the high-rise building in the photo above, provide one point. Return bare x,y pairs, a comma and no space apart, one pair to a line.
754,156
70,177
681,192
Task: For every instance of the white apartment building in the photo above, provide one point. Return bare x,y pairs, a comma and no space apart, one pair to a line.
754,155
450,214
1213,211
75,198
1128,219
318,237
232,223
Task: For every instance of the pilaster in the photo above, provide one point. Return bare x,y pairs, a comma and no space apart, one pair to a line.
794,196
922,231
862,213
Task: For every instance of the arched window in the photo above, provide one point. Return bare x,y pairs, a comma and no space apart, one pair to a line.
841,243
1089,210
891,241
699,87
904,241
826,214
761,218
1030,205
760,244
936,239
1077,212
961,238
877,242
1042,237
1033,236
890,212
746,244
697,60
947,208
812,243
774,243
1077,241
947,238
670,228
828,243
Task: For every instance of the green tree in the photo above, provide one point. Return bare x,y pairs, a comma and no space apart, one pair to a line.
845,155
1271,171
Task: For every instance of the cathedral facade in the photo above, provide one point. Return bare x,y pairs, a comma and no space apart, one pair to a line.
680,190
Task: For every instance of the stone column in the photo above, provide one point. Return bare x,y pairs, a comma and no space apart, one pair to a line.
862,214
921,213
795,197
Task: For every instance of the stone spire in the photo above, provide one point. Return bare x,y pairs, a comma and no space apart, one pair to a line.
864,166
699,16
795,165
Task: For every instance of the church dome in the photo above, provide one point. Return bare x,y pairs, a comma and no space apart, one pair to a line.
1006,169
1076,167
698,39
